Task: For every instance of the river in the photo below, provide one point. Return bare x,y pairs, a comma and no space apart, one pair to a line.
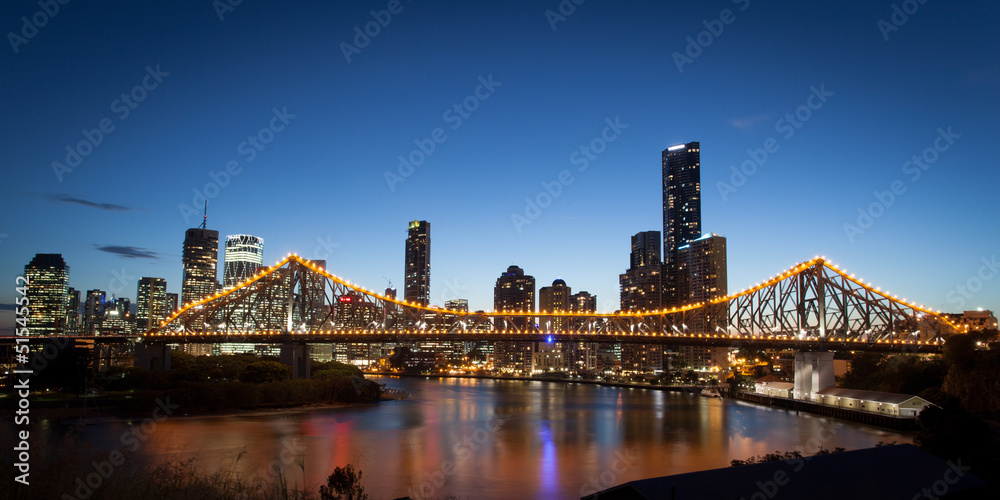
479,438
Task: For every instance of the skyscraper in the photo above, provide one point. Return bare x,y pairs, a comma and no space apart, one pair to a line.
93,312
701,271
514,291
48,286
172,303
244,256
641,285
72,311
151,303
681,208
554,298
200,258
417,282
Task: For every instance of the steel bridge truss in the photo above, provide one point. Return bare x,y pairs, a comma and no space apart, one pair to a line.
813,301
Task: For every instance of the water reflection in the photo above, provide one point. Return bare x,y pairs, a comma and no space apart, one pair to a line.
495,438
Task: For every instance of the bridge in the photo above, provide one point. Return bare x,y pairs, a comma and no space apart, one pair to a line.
810,306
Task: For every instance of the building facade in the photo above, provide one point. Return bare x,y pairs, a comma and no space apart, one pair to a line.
243,258
681,208
151,303
200,258
514,291
642,284
47,285
417,275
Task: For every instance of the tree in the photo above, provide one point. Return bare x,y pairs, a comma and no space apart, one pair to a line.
265,371
343,484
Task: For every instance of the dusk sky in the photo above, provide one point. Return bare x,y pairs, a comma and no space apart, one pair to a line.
844,93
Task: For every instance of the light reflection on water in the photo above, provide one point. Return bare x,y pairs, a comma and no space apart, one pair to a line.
495,438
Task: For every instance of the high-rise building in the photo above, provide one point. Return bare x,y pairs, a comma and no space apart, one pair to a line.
200,258
48,284
72,311
173,303
417,282
93,312
554,298
641,285
244,256
681,208
701,269
151,303
582,356
117,318
457,305
514,291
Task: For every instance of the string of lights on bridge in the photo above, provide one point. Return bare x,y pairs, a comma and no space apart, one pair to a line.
792,271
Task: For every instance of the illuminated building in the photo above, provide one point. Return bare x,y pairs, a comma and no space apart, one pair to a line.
151,303
641,285
417,282
93,312
47,287
172,302
681,208
72,311
701,268
514,291
244,256
200,258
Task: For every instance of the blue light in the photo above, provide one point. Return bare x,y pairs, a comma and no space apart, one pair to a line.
550,339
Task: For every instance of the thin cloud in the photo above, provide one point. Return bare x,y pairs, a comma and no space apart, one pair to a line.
111,207
7,307
748,121
129,252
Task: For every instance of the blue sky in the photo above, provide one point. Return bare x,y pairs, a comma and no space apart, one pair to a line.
319,185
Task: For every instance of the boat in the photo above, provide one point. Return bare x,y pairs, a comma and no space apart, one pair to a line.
710,392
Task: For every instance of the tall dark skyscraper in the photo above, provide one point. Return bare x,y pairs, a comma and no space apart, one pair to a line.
417,282
244,256
200,258
151,303
72,311
681,208
48,287
93,312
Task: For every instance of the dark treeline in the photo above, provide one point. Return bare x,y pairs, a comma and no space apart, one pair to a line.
242,381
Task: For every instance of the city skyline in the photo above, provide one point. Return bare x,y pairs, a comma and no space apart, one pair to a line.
803,139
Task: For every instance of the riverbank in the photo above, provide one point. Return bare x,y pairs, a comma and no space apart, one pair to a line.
854,415
694,389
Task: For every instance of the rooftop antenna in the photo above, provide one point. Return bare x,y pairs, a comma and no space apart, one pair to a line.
204,220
